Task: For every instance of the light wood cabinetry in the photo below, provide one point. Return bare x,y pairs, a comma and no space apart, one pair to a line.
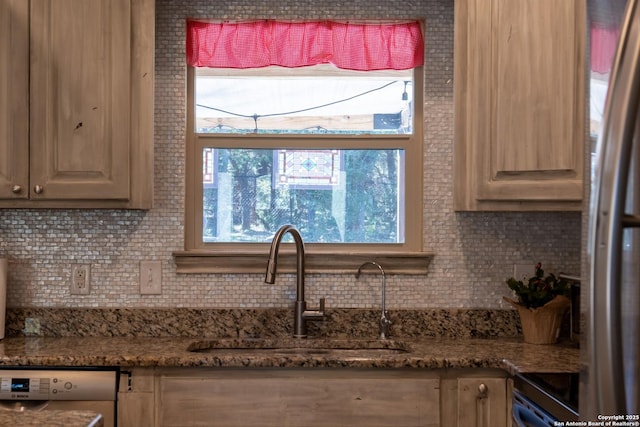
277,397
136,398
164,397
79,123
14,96
475,399
519,104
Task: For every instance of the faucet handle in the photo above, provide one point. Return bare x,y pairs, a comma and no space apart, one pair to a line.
315,314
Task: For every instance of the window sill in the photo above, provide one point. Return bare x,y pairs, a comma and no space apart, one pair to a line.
240,262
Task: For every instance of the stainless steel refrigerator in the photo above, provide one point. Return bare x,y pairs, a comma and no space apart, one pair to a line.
610,348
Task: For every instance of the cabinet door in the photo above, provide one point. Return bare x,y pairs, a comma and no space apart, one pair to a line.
80,99
136,398
289,397
482,402
519,104
14,99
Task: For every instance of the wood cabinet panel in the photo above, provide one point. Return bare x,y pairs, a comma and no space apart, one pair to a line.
473,399
531,72
307,397
14,99
297,398
80,109
520,104
85,101
482,402
136,398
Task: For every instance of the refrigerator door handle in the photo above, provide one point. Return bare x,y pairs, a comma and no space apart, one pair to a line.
607,221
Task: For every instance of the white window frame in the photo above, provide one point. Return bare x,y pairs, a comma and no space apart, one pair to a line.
205,257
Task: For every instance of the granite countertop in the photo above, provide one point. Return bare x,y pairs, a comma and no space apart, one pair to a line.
427,339
51,419
509,354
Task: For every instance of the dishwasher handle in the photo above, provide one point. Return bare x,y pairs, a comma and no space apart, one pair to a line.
23,405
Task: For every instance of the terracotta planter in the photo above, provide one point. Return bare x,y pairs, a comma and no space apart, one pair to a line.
542,325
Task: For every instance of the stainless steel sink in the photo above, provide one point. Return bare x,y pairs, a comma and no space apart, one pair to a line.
299,346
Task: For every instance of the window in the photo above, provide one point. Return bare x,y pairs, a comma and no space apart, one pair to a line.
337,153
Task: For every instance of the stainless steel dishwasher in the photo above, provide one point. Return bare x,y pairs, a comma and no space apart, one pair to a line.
72,389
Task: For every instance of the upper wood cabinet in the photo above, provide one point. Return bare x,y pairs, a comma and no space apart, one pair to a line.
519,104
14,97
79,119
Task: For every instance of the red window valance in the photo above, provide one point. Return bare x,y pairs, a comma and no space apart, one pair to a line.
350,46
603,48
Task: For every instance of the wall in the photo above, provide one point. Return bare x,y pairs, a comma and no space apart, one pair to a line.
474,252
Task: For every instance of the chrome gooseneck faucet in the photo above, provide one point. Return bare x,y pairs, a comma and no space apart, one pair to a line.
385,322
301,314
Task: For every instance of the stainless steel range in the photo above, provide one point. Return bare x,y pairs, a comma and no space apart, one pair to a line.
544,399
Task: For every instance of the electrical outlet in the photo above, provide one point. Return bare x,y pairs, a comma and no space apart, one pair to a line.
80,279
150,277
523,271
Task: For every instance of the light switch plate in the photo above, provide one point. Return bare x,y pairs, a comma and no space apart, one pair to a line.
150,277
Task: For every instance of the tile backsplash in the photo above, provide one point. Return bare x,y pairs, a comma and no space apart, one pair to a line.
474,252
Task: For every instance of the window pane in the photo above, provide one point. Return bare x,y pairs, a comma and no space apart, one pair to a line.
341,196
363,103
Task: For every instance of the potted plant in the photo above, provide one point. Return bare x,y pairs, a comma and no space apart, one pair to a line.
542,301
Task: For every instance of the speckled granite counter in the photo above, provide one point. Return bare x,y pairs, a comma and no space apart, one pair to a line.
51,419
510,354
421,339
193,322
435,338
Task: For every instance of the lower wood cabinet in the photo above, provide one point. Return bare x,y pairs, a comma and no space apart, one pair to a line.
312,397
475,398
136,404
